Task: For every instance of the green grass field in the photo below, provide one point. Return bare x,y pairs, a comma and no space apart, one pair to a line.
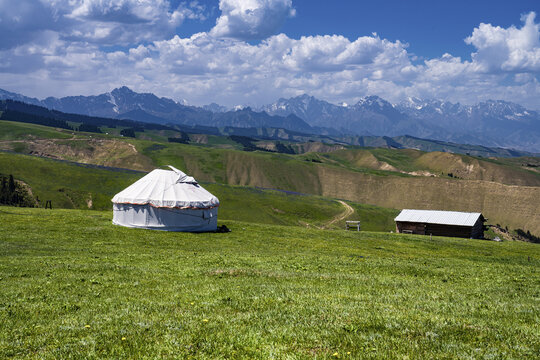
75,286
70,185
388,178
66,184
21,131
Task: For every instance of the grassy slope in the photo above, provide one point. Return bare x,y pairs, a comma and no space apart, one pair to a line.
20,131
466,167
342,180
66,184
70,185
356,174
366,160
75,286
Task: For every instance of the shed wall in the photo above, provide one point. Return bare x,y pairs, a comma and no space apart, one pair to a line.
415,228
478,229
449,230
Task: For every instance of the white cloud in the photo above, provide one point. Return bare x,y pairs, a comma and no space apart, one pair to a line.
205,68
511,50
22,21
117,22
251,19
101,22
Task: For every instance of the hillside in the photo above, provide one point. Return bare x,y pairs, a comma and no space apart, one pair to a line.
76,286
505,190
241,123
79,186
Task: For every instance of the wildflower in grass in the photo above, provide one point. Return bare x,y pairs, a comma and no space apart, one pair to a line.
192,303
87,326
205,320
123,338
335,354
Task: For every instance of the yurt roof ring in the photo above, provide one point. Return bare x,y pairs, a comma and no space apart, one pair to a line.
182,177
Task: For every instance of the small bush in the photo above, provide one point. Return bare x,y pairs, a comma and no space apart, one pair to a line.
128,132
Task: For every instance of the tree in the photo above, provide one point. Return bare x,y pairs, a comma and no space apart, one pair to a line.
11,185
128,132
89,128
4,191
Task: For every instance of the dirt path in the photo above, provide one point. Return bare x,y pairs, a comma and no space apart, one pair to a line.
345,214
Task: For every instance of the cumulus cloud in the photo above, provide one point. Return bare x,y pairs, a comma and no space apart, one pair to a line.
120,22
206,68
251,19
102,22
22,21
511,50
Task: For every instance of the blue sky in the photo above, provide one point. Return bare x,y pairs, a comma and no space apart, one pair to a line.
252,52
430,27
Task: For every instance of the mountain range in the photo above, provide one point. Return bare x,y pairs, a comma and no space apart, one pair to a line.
123,103
490,123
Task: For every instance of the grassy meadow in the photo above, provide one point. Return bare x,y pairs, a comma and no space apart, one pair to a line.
75,286
388,178
82,186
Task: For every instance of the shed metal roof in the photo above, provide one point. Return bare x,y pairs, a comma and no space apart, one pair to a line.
438,217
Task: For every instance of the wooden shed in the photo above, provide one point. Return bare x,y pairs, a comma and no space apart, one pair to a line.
441,223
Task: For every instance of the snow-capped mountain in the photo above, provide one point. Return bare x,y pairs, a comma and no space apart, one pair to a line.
215,108
371,115
493,123
471,115
490,123
123,103
316,112
113,104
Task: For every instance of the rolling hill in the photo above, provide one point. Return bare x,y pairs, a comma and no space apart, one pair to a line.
505,190
491,123
84,186
242,119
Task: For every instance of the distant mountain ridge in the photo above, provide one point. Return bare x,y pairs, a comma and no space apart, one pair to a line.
6,95
13,110
490,123
123,103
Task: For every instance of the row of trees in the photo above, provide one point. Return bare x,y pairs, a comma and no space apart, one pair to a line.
14,194
21,112
527,234
34,119
183,138
40,120
14,110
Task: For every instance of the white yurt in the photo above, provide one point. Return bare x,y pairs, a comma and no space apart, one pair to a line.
166,200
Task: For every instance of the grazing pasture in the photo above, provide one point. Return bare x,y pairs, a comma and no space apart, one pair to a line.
75,286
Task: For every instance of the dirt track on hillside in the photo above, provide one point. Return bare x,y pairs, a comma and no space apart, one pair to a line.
345,214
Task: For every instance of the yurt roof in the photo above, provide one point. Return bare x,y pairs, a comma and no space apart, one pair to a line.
167,188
